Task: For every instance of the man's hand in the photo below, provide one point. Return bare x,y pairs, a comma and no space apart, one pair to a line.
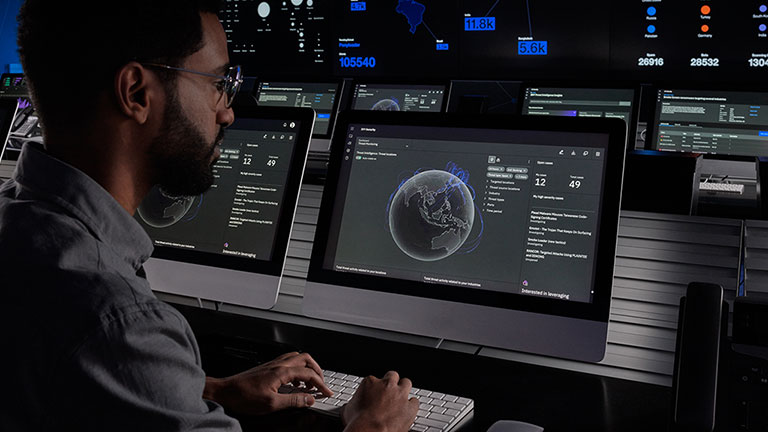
255,391
381,405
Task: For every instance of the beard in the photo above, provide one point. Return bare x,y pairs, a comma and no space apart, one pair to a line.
183,158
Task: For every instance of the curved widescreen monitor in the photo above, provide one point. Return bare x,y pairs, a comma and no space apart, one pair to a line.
497,231
229,244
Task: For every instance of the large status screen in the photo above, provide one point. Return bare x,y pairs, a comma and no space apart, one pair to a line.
493,210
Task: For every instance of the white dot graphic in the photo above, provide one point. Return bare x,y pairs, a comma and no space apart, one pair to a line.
263,9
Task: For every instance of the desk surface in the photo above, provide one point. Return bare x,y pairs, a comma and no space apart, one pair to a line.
556,399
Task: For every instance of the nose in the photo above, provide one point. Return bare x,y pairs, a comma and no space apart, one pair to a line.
226,116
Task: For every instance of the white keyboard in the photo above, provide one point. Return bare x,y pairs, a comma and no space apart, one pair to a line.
721,187
438,412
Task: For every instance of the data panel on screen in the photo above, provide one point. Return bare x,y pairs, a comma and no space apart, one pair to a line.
711,122
524,35
398,97
582,102
278,37
319,96
239,216
396,38
700,38
578,102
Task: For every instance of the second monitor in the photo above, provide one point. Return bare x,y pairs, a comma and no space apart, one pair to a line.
399,97
320,96
730,123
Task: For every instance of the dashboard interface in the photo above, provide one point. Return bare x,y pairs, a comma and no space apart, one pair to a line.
711,122
239,215
319,96
483,210
392,97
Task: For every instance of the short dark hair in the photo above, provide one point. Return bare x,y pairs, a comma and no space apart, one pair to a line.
71,51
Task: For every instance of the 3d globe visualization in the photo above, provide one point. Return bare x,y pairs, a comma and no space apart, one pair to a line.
386,105
431,215
160,210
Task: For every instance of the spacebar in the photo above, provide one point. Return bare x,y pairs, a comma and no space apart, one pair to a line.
326,408
430,422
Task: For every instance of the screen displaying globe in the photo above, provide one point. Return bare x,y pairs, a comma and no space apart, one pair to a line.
160,210
431,215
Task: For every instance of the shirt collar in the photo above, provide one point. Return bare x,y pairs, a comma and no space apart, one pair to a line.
65,186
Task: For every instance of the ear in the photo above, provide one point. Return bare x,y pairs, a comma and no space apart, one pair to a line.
135,88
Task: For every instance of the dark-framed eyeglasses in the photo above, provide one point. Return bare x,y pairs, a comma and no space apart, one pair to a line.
228,84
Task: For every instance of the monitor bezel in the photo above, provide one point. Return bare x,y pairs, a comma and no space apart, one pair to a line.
653,127
309,80
598,310
446,84
614,85
273,266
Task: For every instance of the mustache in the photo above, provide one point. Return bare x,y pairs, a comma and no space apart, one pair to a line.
219,137
217,142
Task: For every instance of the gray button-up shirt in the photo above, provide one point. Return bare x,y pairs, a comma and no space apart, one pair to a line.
84,343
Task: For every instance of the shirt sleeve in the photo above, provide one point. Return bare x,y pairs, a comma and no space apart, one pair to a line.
138,372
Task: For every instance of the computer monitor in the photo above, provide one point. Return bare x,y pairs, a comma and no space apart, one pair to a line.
13,85
583,101
229,244
716,122
320,96
496,231
399,97
7,113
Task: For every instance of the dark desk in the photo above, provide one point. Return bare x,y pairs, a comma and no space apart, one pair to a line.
556,399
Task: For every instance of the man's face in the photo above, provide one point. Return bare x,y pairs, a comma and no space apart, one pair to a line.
194,119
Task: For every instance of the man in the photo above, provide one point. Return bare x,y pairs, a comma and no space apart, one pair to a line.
131,94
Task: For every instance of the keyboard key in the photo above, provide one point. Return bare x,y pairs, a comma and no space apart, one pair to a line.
325,407
424,393
437,395
437,409
419,428
434,430
449,398
345,397
454,406
430,422
463,401
422,413
425,400
348,390
440,417
451,412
